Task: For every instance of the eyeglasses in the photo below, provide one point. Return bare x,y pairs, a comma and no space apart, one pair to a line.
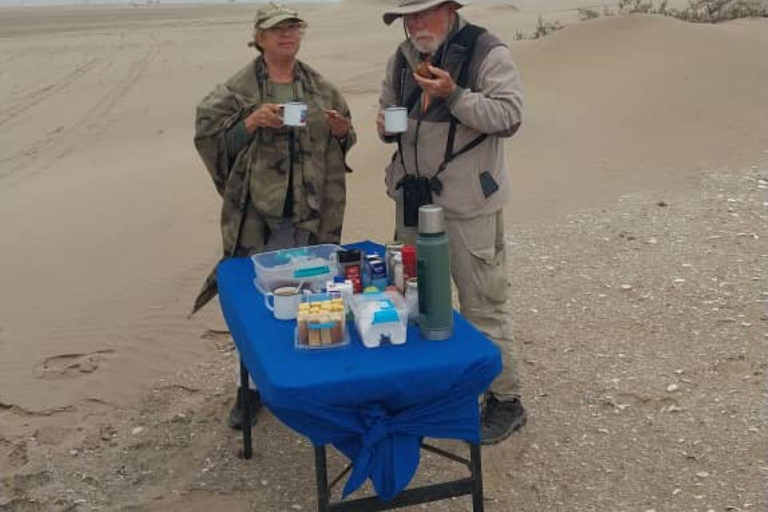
288,28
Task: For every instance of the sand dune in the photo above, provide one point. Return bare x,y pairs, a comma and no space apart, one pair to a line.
622,103
109,221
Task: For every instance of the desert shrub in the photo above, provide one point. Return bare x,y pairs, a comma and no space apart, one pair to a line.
635,6
697,11
586,13
714,11
544,28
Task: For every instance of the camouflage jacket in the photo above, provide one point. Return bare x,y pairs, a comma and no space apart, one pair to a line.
319,188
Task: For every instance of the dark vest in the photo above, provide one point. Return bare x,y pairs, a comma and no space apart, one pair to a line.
465,52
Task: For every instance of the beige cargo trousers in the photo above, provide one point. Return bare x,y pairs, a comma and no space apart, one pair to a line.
479,270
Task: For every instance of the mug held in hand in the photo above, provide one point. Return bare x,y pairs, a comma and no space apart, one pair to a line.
395,120
295,114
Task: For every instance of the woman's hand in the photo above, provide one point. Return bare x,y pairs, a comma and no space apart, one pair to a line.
380,124
268,115
338,123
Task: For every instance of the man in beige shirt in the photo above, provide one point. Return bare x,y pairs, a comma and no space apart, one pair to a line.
463,97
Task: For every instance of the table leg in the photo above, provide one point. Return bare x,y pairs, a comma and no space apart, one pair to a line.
471,485
476,466
246,403
321,472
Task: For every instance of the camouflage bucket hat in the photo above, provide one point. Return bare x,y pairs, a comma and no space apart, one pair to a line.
273,14
411,6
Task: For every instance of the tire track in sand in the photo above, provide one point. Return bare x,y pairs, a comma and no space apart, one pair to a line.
60,142
37,96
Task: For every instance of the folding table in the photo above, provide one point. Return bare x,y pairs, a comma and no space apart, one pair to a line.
376,406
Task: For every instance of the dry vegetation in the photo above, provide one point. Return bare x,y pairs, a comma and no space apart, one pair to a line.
697,11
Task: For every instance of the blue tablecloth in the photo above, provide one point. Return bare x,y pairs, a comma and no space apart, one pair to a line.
374,405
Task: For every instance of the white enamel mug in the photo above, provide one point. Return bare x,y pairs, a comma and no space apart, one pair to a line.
283,302
395,120
295,114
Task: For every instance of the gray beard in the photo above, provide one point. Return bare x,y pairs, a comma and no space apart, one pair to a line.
430,48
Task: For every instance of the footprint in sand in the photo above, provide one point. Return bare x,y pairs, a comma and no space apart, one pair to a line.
221,339
215,335
13,455
69,366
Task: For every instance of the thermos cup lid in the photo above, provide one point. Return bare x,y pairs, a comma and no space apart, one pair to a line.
431,220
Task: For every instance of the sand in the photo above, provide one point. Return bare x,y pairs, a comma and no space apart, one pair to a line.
108,224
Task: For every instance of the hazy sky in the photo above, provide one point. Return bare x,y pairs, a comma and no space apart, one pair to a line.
96,2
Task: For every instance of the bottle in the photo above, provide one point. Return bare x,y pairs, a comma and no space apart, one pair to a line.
389,258
412,299
397,272
433,269
409,261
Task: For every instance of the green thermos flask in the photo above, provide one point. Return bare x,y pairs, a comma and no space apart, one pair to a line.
433,271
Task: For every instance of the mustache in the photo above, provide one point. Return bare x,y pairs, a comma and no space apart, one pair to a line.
422,33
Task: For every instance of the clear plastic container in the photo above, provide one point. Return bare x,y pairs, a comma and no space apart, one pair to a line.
313,266
380,318
321,322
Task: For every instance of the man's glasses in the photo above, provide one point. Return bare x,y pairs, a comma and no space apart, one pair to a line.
288,28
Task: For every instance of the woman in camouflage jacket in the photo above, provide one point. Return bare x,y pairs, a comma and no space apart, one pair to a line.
281,186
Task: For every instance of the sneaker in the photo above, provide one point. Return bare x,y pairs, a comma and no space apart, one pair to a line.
501,419
236,414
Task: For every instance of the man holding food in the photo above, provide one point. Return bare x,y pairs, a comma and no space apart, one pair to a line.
462,95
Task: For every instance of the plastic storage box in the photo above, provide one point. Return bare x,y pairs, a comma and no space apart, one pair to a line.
312,265
380,318
321,322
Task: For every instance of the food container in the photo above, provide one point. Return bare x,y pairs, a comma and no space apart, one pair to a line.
312,266
321,322
380,318
351,267
376,271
